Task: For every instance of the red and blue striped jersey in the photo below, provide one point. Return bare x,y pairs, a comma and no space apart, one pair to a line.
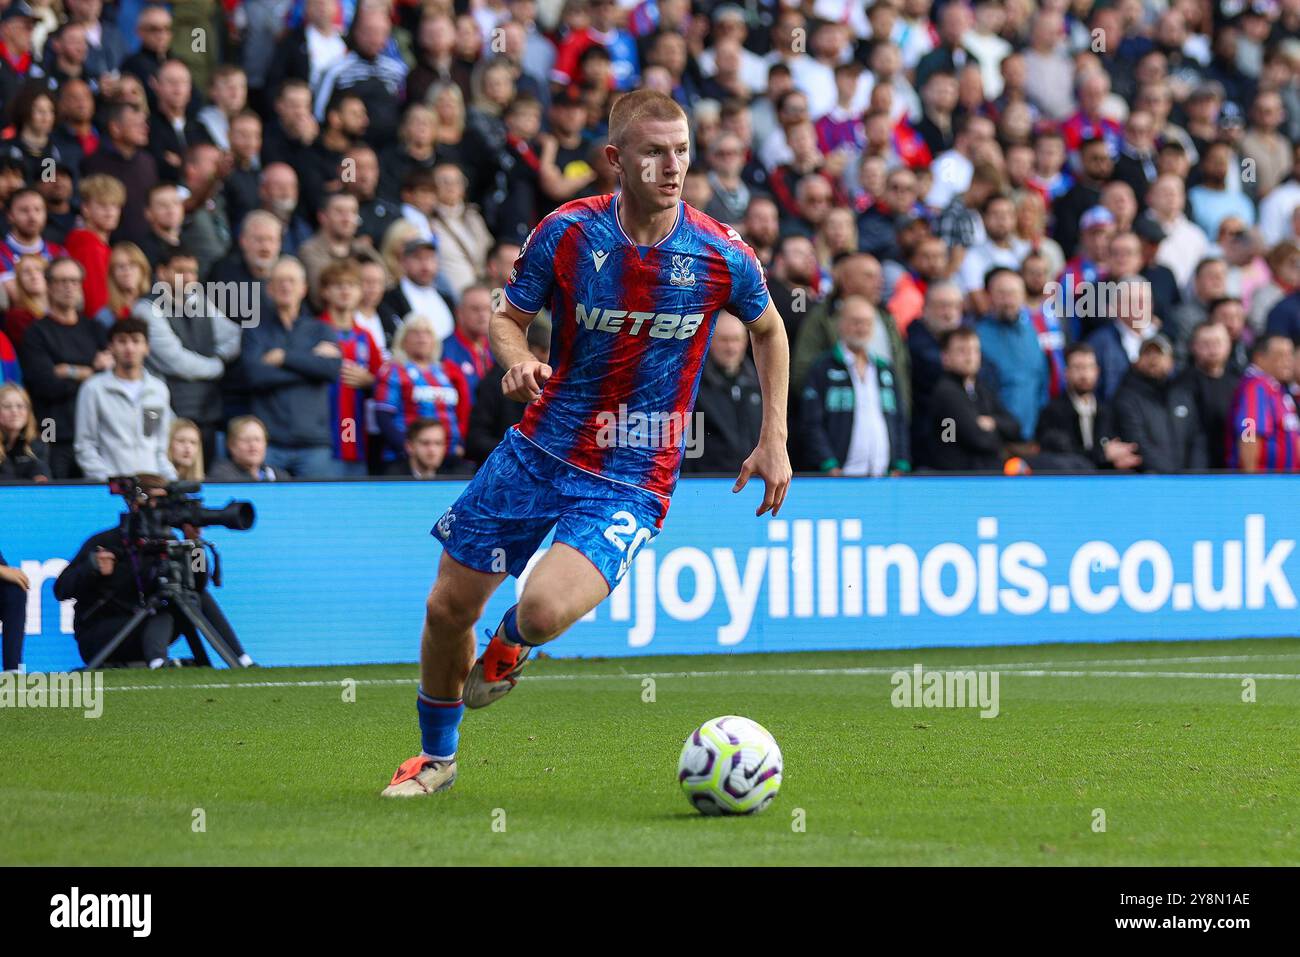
437,391
631,326
1263,407
347,405
11,252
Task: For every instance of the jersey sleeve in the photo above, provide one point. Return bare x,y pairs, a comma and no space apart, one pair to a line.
749,295
388,390
533,275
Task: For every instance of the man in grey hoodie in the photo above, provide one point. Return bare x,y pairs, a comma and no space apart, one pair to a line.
124,414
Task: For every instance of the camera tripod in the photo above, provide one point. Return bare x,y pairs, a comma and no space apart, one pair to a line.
175,589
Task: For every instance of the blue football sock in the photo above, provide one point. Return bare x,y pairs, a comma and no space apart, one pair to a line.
439,725
509,628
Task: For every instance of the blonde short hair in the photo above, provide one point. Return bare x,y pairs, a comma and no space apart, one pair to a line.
639,106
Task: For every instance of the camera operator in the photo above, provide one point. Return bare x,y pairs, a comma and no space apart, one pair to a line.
110,579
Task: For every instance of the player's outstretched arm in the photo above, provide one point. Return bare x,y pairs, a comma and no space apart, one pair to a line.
508,333
770,461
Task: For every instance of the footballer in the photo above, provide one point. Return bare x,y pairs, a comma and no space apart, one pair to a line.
634,282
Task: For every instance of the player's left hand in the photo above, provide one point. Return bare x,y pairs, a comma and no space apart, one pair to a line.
770,462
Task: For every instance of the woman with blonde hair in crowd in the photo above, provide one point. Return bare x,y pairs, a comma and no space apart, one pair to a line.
417,383
29,298
23,456
185,450
390,250
129,279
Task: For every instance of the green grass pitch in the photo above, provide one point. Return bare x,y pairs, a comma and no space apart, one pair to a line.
576,767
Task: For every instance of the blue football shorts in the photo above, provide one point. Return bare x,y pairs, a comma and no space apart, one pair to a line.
521,492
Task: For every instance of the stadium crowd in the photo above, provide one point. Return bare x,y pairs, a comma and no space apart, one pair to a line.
262,239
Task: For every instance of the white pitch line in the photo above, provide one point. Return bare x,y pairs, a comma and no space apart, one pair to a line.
775,672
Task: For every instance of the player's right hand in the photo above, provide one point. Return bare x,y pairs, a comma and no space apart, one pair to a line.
524,381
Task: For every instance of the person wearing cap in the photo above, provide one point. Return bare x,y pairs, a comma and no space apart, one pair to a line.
1096,228
17,60
1159,415
416,290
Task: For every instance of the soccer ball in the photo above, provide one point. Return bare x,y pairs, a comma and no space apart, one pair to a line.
730,765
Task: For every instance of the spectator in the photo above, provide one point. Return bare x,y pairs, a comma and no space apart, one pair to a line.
1211,201
1278,207
164,215
1212,384
1000,249
1159,415
242,187
426,453
1264,431
1095,168
728,409
207,227
415,291
1010,347
1184,244
418,384
362,360
1284,276
125,156
1209,283
18,66
128,282
227,99
371,312
290,361
289,135
1228,312
154,29
31,144
185,450
1077,423
124,414
376,212
58,354
463,236
175,129
370,73
27,220
1165,291
849,414
969,426
190,343
335,241
929,263
246,445
23,456
492,414
9,368
248,266
29,298
1118,341
468,345
102,199
278,195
